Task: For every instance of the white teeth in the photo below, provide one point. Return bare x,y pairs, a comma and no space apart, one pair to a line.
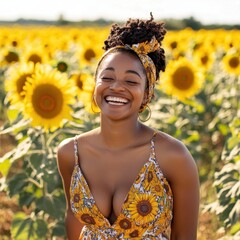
116,103
116,100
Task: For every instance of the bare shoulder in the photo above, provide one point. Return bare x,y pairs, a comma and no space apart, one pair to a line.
65,155
65,152
174,158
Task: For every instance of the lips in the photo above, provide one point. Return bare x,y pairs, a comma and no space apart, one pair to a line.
116,100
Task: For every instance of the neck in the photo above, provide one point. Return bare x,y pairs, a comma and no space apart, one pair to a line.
119,134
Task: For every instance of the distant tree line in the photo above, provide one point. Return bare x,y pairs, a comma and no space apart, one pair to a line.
171,23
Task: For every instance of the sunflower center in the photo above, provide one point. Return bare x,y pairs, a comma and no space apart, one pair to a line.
125,224
88,219
21,82
12,57
234,62
183,78
14,43
157,188
76,198
144,207
79,83
173,44
134,233
62,66
47,103
204,59
47,100
89,54
35,58
197,46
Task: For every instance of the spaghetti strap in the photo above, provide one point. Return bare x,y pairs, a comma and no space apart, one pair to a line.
153,155
152,144
75,150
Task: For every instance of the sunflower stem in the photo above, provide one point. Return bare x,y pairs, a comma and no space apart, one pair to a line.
45,149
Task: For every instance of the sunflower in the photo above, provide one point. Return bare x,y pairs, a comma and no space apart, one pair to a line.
9,56
144,208
91,49
48,96
86,216
65,61
85,84
89,216
231,63
150,178
182,79
204,57
128,227
77,198
35,54
16,78
62,66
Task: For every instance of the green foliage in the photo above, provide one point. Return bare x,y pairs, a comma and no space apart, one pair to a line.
227,182
37,183
25,227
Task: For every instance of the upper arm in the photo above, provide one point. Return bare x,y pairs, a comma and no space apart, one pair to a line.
65,160
184,182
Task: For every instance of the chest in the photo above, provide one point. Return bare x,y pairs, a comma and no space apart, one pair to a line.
112,170
110,176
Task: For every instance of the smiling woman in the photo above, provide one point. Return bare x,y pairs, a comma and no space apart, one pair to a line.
124,179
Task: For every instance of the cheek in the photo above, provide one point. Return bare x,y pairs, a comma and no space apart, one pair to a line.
99,87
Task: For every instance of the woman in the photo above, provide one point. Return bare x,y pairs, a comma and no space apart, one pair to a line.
124,179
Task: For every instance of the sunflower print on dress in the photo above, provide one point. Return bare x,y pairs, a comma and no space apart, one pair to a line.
146,212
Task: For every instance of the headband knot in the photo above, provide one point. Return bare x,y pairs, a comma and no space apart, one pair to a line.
146,47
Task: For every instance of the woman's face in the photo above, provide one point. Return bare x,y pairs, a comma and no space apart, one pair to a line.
120,85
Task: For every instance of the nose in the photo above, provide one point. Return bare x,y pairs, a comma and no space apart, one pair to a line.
117,86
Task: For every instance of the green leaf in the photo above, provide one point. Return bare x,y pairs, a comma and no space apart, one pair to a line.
20,150
20,226
26,198
23,123
4,167
17,183
40,228
224,129
12,114
36,160
59,229
235,228
24,227
52,205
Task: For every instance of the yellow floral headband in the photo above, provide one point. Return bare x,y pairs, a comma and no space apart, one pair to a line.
142,49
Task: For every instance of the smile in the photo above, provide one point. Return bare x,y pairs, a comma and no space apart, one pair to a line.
116,100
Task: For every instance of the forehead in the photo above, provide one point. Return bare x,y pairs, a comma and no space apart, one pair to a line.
122,59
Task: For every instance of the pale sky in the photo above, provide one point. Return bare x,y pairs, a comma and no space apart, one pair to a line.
206,11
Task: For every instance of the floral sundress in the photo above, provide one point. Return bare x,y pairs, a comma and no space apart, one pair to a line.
146,212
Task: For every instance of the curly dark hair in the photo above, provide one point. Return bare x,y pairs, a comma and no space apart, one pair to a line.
137,31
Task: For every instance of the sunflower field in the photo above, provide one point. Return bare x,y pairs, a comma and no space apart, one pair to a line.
46,86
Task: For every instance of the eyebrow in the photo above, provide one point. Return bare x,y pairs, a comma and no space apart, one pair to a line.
128,71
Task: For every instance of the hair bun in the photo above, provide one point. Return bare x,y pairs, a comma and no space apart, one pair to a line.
137,31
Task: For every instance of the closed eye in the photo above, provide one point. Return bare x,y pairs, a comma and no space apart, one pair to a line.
106,79
130,82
